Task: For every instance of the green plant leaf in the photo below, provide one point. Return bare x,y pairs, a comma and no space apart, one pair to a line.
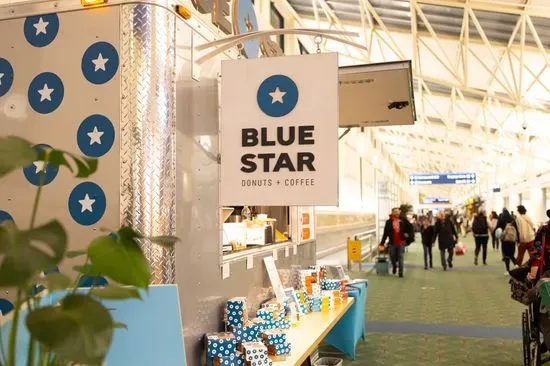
79,330
27,253
75,253
55,281
119,325
84,166
121,259
166,241
16,153
111,292
87,269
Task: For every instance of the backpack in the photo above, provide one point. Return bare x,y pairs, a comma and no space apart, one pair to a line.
509,234
480,225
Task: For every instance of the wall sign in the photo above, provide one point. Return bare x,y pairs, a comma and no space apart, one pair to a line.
442,178
279,131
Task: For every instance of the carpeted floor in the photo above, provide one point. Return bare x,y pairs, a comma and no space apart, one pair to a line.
463,316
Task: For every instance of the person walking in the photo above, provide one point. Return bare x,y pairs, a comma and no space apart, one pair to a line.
480,229
493,221
428,239
508,238
395,232
526,233
448,237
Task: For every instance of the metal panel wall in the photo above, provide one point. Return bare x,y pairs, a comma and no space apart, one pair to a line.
64,45
147,128
203,292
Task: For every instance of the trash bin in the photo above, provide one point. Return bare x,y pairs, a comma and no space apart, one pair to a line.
329,361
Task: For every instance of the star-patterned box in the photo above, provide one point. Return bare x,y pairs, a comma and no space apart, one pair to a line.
220,345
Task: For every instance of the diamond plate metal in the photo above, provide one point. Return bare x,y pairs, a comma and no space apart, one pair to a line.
147,156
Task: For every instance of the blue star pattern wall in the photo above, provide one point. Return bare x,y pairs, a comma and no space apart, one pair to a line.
62,87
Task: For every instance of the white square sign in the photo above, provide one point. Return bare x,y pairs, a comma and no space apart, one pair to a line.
279,131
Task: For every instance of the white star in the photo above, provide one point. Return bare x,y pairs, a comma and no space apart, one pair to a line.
1,76
40,166
45,93
100,62
277,96
86,204
41,26
95,136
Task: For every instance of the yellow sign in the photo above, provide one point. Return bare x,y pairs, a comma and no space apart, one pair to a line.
354,250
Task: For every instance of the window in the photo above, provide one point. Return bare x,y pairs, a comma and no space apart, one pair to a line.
303,49
278,22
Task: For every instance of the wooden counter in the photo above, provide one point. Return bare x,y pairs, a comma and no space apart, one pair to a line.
311,331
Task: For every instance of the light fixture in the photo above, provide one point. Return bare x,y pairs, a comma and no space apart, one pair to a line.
183,12
92,2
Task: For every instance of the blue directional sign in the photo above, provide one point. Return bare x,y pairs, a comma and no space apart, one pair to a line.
442,178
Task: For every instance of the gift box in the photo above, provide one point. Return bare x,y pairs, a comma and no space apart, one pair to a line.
236,359
236,313
273,337
315,289
220,344
266,314
272,304
327,284
248,333
279,349
254,352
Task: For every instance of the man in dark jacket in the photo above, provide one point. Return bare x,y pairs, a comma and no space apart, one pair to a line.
396,231
448,237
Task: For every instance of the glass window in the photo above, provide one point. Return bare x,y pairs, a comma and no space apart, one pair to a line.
278,22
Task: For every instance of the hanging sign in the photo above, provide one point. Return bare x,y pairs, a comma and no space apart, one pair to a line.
279,131
442,178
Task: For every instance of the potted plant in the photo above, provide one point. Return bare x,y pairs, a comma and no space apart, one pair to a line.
78,329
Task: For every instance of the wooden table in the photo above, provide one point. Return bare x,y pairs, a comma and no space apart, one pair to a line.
311,330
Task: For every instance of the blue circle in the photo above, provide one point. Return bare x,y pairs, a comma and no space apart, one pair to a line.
33,171
87,203
46,92
277,95
95,136
41,30
6,76
100,63
247,22
5,216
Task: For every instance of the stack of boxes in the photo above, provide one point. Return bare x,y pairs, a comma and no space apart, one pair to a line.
221,348
277,345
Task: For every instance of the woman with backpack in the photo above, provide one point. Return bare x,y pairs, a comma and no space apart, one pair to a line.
508,238
493,221
480,229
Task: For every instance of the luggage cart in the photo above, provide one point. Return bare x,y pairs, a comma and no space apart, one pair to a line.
535,352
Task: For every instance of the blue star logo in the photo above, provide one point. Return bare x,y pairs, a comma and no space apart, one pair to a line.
95,136
100,63
41,30
87,203
277,95
38,170
6,76
46,92
5,216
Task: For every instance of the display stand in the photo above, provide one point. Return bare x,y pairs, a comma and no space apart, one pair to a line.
311,331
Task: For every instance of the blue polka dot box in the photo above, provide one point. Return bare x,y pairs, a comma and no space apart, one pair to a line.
236,359
220,345
236,313
255,353
273,337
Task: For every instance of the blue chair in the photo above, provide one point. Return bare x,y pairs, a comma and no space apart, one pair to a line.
5,306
